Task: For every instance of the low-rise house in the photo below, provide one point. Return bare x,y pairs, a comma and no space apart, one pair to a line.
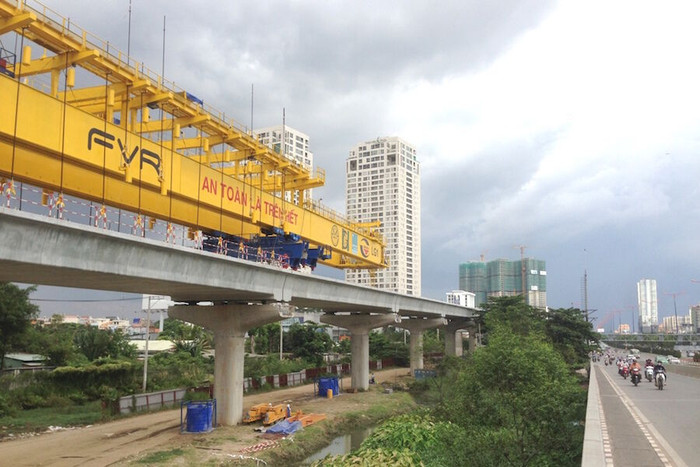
23,360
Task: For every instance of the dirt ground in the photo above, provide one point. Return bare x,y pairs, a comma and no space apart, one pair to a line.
119,442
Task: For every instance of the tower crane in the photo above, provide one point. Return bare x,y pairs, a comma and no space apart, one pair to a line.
522,269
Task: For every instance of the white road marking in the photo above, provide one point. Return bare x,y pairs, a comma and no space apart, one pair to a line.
665,451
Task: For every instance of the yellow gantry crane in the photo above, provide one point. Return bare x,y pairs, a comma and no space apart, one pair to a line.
132,140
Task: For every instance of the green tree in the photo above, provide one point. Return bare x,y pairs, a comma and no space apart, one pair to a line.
309,341
433,342
168,370
512,312
96,343
56,319
175,329
388,343
517,402
570,334
16,314
55,341
343,346
187,337
266,339
194,347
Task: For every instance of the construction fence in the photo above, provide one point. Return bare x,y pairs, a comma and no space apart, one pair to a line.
172,397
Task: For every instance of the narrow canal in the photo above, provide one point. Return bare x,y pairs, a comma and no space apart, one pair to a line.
340,445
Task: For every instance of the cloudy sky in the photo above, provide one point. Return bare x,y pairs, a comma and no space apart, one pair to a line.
570,128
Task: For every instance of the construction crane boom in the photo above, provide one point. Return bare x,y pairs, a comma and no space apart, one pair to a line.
141,144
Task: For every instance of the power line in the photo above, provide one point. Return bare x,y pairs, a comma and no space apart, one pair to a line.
84,301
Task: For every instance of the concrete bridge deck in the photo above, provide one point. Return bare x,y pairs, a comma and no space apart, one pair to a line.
239,294
37,249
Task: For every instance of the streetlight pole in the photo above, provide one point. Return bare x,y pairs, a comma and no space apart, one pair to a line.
675,312
148,334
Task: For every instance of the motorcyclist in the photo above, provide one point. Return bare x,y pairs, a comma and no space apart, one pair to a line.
636,366
659,367
649,362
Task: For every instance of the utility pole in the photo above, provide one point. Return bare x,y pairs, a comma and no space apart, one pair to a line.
585,293
281,339
675,312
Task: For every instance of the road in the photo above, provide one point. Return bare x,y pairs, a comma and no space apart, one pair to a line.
651,427
113,442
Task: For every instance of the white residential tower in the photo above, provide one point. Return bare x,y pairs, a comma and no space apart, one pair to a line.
296,148
648,305
383,183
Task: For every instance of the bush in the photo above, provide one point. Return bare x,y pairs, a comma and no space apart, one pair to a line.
6,409
78,398
375,456
179,369
196,396
90,378
256,367
27,400
518,403
54,400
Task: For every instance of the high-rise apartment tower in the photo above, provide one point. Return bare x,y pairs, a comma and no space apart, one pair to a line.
383,183
648,305
296,147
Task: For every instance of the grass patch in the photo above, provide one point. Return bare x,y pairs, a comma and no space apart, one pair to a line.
35,420
160,456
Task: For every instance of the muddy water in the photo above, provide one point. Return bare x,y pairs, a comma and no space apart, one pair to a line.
340,445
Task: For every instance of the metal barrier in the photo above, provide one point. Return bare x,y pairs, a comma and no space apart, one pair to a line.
151,400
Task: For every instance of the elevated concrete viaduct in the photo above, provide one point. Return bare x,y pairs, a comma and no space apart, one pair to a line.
241,294
416,327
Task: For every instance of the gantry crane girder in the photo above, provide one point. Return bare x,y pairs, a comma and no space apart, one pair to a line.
70,140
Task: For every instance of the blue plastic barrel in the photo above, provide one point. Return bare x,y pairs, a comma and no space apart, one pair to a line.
324,384
199,417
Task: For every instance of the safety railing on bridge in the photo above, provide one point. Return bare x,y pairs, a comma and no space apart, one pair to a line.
29,198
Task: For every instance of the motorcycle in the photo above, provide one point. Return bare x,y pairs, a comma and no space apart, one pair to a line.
649,373
660,380
636,376
625,372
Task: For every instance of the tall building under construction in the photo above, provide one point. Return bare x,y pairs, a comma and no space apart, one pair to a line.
503,278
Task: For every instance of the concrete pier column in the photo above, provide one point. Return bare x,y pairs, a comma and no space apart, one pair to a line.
472,338
415,351
228,375
416,328
359,368
453,345
229,324
359,327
